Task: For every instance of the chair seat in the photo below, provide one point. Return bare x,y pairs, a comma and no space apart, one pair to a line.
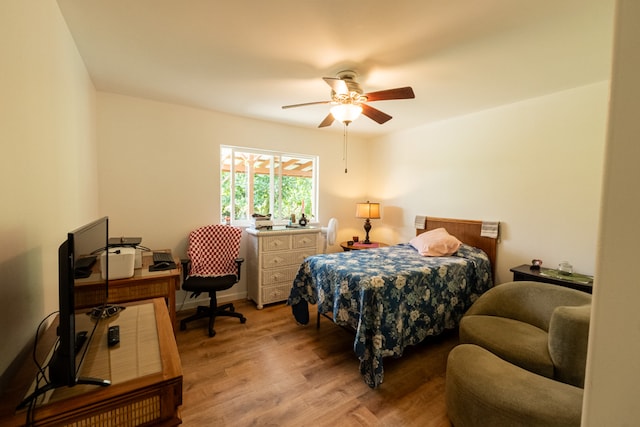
208,284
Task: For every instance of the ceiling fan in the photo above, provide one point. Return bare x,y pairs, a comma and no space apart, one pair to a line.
349,100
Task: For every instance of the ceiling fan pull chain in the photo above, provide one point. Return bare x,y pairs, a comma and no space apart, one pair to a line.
344,146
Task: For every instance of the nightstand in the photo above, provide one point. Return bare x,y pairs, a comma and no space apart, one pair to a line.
359,245
580,282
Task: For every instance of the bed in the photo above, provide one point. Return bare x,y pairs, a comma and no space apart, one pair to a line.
393,297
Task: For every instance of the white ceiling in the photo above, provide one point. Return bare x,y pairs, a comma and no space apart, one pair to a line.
250,57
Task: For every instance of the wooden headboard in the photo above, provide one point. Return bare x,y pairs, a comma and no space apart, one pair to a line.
467,231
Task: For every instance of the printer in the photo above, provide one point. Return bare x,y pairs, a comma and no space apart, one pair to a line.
121,262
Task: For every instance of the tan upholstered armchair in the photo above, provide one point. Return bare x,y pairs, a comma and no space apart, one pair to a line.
522,357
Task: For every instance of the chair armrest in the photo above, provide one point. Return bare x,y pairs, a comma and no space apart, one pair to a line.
239,262
529,302
185,267
568,338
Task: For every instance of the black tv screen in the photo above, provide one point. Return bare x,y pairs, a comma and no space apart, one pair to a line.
76,257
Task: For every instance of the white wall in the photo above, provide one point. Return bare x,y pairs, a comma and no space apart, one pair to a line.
612,382
48,178
535,166
160,166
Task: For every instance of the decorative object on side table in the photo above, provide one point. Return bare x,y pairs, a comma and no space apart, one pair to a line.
565,268
303,221
367,211
535,264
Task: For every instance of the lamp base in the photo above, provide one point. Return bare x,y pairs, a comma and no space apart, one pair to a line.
367,228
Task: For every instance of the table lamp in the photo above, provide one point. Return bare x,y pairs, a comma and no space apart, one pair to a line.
367,211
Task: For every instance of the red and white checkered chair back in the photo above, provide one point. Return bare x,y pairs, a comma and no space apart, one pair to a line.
213,250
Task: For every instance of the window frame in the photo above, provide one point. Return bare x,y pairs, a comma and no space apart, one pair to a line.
275,179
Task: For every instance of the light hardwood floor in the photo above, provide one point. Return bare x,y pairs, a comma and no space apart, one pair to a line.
272,372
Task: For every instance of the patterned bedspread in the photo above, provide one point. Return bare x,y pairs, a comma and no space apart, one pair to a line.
392,297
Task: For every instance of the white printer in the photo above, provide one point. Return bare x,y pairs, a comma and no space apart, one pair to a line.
121,262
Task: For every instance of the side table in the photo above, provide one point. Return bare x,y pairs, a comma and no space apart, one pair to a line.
580,282
359,245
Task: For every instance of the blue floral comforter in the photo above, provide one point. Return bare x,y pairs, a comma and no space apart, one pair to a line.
392,297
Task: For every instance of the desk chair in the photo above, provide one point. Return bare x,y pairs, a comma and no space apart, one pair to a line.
213,266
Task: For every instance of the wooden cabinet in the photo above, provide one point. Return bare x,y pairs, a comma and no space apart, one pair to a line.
273,260
144,371
580,282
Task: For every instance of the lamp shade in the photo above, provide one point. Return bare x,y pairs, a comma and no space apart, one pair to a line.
346,113
368,210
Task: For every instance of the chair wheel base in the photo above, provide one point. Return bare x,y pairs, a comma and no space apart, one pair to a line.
203,312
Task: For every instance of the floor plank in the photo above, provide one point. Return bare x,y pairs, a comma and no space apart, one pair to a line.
272,372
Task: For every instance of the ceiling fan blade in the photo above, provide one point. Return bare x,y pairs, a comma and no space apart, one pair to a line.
339,86
328,121
375,114
398,93
305,104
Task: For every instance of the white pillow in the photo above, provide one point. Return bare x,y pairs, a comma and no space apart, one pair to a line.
436,242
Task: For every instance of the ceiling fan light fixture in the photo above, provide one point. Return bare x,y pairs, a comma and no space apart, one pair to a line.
346,113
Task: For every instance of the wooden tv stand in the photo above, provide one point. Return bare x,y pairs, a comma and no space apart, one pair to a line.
144,370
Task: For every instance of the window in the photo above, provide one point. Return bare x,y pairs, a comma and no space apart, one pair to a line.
266,182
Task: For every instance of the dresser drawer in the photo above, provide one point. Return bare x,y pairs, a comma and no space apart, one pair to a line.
280,259
305,240
275,293
276,243
276,275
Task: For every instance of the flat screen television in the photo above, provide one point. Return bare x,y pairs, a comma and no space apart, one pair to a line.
76,257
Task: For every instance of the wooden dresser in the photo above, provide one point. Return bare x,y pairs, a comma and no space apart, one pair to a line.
144,370
273,259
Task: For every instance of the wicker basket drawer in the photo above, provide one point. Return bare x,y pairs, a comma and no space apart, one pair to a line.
277,275
301,255
275,293
276,243
305,240
281,259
